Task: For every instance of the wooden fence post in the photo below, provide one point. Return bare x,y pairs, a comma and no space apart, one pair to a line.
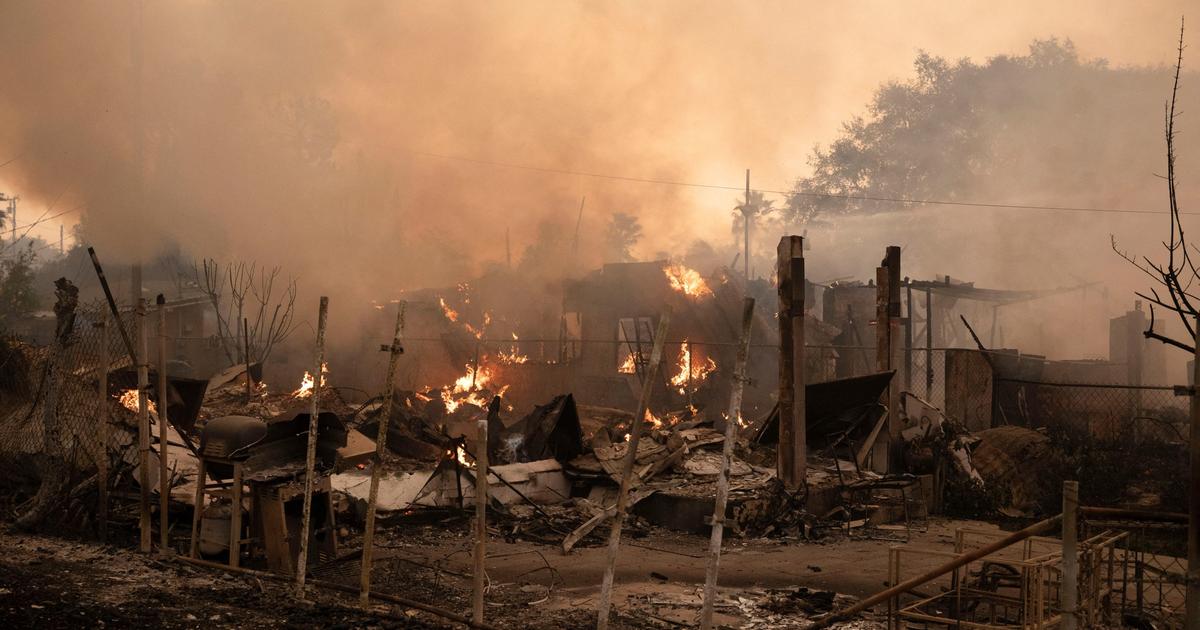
310,459
731,432
368,550
614,538
481,498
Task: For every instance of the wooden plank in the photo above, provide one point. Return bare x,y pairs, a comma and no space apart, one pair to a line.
198,507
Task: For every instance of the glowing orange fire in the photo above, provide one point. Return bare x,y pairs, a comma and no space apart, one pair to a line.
653,420
465,389
698,370
453,316
687,281
450,313
461,456
129,400
512,358
307,382
629,366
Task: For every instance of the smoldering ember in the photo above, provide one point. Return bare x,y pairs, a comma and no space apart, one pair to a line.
609,314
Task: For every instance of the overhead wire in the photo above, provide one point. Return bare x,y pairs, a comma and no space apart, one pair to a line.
795,193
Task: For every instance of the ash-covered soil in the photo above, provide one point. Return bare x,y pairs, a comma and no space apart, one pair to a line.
49,583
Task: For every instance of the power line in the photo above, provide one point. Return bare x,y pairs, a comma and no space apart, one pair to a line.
12,159
43,220
873,198
30,226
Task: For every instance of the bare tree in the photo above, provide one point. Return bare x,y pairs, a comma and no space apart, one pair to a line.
1178,275
242,291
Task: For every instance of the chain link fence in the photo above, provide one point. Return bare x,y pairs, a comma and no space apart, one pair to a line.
51,405
1126,443
1149,583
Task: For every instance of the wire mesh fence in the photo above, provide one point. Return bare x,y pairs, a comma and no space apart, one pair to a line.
1149,585
51,406
1127,444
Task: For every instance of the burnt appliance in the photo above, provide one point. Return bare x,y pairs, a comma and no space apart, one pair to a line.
267,458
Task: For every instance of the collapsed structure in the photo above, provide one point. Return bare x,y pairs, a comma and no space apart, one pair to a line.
862,421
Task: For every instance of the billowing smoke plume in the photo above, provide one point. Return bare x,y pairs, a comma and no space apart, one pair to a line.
308,134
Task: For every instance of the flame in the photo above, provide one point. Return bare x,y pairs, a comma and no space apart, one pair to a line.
450,313
512,358
129,400
461,456
653,420
697,370
687,281
629,366
307,382
453,316
465,389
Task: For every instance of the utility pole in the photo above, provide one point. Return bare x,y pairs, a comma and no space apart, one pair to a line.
746,210
61,250
12,215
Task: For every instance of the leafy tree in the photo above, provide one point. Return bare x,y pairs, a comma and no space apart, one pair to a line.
622,233
17,295
1015,129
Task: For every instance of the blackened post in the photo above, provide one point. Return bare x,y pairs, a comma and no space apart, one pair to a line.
929,345
896,446
793,456
908,336
112,305
881,451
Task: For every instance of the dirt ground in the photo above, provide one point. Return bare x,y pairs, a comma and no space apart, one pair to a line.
59,583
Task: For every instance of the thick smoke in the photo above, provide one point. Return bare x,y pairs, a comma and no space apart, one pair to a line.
302,133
